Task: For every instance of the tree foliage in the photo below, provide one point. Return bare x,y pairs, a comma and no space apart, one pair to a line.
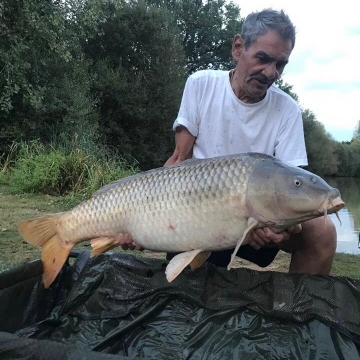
327,156
112,73
286,88
44,79
104,70
206,30
356,136
138,68
348,155
320,146
349,159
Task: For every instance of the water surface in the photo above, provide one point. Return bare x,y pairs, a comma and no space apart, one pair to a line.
348,232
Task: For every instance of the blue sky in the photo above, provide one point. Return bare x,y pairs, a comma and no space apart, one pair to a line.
324,66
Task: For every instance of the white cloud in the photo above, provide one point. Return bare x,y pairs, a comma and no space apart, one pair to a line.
324,65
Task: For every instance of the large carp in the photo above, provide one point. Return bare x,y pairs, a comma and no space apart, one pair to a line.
193,208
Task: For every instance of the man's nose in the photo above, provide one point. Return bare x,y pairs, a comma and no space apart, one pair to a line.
270,71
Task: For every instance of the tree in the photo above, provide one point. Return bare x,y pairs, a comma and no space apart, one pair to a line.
356,136
138,66
320,146
348,159
355,148
286,88
44,79
206,30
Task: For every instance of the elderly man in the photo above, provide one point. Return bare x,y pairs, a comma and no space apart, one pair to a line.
229,112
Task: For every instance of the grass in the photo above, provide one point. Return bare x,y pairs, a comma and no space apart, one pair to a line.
57,170
346,265
14,250
343,265
14,208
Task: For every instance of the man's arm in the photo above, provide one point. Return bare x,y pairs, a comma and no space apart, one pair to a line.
184,143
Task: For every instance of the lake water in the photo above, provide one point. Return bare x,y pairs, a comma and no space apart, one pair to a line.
348,232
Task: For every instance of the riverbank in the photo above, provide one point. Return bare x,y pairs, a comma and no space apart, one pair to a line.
14,250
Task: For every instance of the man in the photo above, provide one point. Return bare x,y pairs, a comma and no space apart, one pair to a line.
224,113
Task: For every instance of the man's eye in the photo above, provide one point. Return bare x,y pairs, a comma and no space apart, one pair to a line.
263,60
280,65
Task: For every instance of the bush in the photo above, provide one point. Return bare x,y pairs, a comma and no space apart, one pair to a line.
38,173
60,171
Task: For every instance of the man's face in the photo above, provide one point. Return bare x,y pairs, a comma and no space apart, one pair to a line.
260,65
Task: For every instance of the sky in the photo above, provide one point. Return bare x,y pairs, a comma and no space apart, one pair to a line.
324,67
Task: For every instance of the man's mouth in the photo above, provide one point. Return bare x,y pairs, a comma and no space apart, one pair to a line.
262,81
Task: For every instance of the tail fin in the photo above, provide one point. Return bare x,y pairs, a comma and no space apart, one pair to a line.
42,232
53,257
38,231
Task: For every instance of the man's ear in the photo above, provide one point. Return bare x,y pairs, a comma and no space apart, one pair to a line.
238,46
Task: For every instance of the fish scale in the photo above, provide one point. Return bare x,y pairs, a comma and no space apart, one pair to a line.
159,206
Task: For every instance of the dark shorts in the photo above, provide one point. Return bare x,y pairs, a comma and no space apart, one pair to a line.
262,257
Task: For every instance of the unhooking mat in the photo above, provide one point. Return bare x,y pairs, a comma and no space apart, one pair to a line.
119,306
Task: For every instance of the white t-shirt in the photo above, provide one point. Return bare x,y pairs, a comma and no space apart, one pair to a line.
224,125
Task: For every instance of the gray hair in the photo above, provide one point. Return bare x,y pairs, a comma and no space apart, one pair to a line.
259,23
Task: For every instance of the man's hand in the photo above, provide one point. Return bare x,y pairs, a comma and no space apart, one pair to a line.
266,237
126,242
184,143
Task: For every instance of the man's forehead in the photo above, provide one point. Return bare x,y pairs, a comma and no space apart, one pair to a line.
272,44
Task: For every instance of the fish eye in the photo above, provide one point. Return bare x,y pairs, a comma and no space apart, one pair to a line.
297,182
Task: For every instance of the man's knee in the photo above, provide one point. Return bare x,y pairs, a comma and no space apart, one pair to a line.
320,235
314,247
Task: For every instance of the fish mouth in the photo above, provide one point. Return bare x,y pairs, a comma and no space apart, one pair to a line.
330,206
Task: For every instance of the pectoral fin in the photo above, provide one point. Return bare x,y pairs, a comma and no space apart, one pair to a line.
199,259
252,224
102,244
178,263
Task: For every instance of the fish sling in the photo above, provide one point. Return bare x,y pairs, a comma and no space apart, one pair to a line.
193,208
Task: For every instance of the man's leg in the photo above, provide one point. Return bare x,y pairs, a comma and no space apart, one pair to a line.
313,249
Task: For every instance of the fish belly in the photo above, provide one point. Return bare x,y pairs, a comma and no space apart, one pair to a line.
213,227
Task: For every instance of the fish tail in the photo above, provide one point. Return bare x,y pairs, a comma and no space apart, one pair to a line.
42,232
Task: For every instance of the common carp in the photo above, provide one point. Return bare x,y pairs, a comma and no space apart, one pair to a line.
193,208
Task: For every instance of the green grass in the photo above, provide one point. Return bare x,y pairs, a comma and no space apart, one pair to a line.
56,170
346,265
14,208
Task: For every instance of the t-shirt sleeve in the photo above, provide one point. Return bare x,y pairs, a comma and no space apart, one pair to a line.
290,146
188,112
